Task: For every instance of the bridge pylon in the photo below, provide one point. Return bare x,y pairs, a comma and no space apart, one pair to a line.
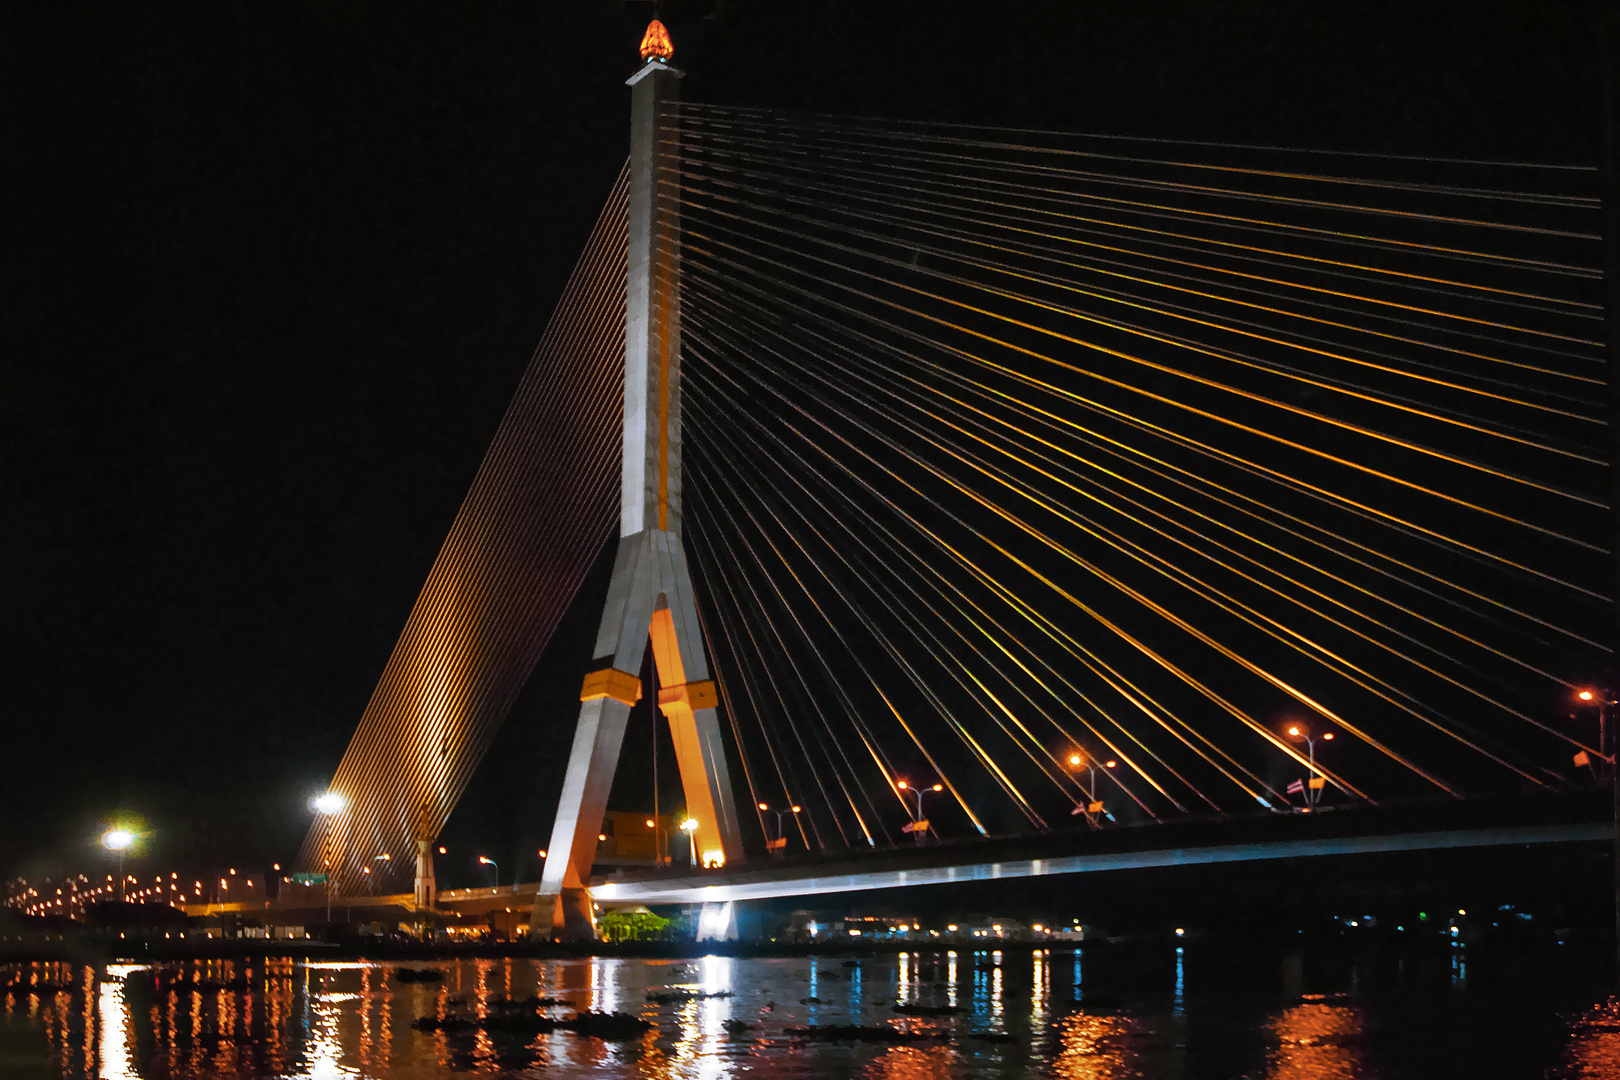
650,596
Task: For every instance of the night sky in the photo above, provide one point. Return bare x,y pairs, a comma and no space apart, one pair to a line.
271,274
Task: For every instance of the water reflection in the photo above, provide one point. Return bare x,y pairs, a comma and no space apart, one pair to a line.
1098,1047
1593,1052
1318,1039
1039,991
1137,1017
995,988
116,1031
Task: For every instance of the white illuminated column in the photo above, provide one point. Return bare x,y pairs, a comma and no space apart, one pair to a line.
650,594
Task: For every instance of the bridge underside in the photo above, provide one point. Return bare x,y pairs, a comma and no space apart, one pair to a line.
774,883
1419,827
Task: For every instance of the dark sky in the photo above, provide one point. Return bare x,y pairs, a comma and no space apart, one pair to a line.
272,271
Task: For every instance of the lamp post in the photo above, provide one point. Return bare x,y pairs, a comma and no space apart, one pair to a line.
118,840
919,825
1093,805
1313,788
689,827
1608,755
778,846
485,860
329,804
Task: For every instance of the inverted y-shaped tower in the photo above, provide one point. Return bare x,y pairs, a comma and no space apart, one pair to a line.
651,591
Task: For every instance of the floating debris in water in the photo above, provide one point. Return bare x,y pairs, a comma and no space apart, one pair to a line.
506,1004
666,997
598,1025
606,1025
859,1033
446,1023
418,975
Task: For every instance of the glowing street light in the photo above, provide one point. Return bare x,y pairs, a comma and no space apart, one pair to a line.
118,840
689,827
1093,805
329,802
778,846
485,860
1312,789
1602,699
919,825
1608,749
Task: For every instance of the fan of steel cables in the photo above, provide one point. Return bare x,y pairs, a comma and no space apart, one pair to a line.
543,503
1058,469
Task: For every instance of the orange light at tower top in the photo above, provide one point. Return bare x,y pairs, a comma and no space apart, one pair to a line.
655,44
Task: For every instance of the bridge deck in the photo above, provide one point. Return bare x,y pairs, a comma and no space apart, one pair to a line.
1427,826
1416,827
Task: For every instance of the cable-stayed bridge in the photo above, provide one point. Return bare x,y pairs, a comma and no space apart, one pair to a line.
1030,482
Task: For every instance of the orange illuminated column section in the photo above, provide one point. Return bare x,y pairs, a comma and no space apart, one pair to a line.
650,598
697,746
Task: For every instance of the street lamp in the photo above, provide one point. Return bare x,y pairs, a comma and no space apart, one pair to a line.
1602,699
485,860
689,827
1093,805
778,845
919,825
329,804
1608,753
1312,790
118,840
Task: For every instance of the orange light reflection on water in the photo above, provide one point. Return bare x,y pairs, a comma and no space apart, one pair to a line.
1318,1040
1096,1047
913,1063
1593,1052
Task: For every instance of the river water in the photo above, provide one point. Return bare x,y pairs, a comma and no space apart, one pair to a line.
1154,1013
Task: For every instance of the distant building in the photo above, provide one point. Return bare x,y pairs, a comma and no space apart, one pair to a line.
804,925
992,928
